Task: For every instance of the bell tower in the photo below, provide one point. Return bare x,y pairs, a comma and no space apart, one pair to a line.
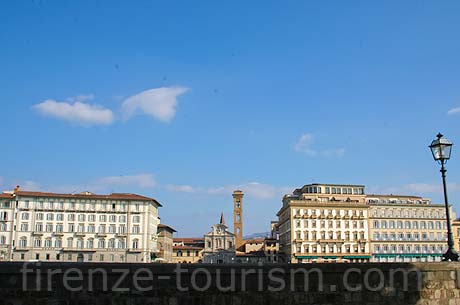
238,217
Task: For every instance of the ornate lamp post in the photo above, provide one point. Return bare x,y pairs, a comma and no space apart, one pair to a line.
441,148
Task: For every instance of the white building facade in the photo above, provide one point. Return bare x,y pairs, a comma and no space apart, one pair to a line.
85,227
219,245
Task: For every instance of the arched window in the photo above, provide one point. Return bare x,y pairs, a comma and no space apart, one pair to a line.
179,253
90,243
58,243
111,243
422,225
384,224
101,243
23,242
2,240
415,225
407,224
37,242
135,243
392,224
430,225
121,244
80,243
48,243
70,242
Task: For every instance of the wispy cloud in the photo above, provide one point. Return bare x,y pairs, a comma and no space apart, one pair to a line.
414,188
182,188
136,181
160,103
77,112
252,189
305,145
455,110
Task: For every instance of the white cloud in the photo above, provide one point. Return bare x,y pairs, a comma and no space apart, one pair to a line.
160,103
78,112
454,110
252,189
80,98
137,181
304,145
415,189
182,188
29,185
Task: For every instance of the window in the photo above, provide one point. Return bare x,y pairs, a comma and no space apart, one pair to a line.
91,217
24,227
2,240
102,218
91,229
121,244
23,242
135,243
71,227
122,229
102,229
70,242
49,227
80,243
48,243
101,243
122,218
49,216
39,227
37,242
136,229
112,229
90,243
60,217
81,228
71,217
111,243
58,243
24,216
81,217
136,219
113,218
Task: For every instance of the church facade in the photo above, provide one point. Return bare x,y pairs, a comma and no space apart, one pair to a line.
219,244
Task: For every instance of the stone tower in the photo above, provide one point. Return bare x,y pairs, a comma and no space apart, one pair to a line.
238,217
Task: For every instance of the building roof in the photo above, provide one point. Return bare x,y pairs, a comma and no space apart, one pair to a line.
187,248
6,196
254,240
392,196
188,239
87,195
163,226
328,184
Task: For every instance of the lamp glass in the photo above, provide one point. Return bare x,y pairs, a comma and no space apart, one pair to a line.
441,149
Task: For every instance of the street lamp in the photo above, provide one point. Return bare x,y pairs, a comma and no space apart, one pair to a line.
441,148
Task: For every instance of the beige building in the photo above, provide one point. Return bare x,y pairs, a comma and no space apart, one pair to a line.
37,226
407,228
325,223
258,250
165,243
188,250
456,234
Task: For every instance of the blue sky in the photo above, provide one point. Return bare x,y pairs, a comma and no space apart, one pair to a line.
186,101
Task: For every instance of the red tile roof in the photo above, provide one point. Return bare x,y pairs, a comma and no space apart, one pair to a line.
113,196
188,239
6,196
186,248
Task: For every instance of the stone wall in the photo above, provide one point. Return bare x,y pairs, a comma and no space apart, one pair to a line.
168,284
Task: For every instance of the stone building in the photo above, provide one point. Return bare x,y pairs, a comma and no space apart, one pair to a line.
165,243
325,223
406,228
259,250
188,250
219,244
38,226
